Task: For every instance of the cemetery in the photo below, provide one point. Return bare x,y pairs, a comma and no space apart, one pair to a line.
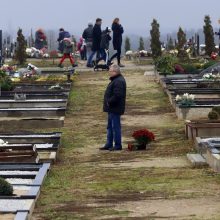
110,121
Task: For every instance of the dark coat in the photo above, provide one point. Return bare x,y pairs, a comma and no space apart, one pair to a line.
87,34
115,96
96,36
62,35
117,35
40,40
105,41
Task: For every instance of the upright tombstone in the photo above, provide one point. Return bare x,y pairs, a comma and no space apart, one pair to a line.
1,47
219,39
198,45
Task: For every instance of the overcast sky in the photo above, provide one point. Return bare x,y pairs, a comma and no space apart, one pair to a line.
136,15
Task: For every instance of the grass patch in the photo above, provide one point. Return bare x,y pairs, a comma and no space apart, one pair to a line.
79,188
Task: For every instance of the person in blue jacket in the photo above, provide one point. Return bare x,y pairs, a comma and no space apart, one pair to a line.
63,34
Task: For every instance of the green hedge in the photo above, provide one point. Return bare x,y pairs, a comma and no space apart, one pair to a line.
6,188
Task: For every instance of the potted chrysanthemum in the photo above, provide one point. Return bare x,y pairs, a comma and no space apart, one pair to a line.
142,139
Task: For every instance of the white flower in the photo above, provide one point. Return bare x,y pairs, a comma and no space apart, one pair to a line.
178,98
192,97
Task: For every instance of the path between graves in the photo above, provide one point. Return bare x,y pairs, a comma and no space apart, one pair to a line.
156,184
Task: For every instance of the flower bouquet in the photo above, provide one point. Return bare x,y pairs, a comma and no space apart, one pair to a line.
8,69
186,99
142,139
209,77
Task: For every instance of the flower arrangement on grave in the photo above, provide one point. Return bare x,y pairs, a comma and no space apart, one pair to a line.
186,99
6,188
56,87
209,76
141,139
8,69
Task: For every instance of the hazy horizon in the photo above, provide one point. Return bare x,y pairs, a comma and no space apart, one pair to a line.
136,16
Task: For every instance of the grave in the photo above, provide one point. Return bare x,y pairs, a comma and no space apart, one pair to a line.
202,128
193,112
12,123
210,149
33,112
26,180
38,151
27,138
34,103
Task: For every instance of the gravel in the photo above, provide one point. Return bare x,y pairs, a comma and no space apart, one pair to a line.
43,146
17,172
13,205
19,181
23,188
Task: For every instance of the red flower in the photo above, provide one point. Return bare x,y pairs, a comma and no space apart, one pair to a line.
143,136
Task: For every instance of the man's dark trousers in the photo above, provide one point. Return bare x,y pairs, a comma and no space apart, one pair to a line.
114,131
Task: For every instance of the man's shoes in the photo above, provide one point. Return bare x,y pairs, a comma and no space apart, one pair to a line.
115,149
60,65
120,65
74,65
105,148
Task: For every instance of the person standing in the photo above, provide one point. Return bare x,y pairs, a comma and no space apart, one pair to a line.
81,47
117,40
62,34
114,105
40,39
87,35
96,36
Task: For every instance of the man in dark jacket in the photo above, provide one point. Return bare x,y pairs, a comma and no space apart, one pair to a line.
104,46
87,35
96,36
114,105
117,40
63,34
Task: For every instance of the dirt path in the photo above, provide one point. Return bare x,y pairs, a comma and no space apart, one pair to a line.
156,184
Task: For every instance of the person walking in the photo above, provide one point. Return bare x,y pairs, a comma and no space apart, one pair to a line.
87,35
67,50
114,105
81,47
62,34
96,36
118,31
104,46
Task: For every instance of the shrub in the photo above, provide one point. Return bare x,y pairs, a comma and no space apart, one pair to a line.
216,109
5,82
6,188
165,64
213,115
189,68
208,64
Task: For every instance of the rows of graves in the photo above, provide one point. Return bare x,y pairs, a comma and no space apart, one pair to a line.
196,100
26,157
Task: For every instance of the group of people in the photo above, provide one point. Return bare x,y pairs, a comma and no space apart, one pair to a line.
98,42
93,45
